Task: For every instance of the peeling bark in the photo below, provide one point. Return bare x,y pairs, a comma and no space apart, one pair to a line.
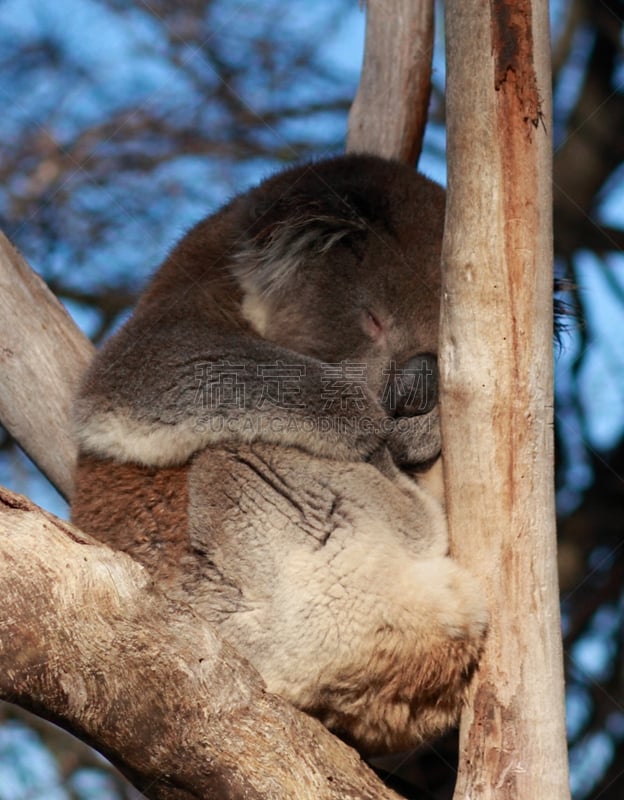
512,46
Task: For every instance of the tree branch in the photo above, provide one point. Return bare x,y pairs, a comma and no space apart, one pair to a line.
98,649
389,113
42,357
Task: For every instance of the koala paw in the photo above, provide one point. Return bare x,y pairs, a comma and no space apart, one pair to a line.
455,621
411,679
415,440
463,613
450,648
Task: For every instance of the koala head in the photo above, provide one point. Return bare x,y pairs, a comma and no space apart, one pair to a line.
340,260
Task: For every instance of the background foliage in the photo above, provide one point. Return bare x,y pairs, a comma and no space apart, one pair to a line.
125,122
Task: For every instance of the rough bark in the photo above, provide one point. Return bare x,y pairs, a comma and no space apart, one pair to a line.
389,113
98,649
42,355
496,376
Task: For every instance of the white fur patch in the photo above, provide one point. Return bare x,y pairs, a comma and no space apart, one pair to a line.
267,267
113,435
255,311
116,435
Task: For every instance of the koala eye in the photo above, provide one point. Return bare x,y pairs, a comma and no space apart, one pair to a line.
372,325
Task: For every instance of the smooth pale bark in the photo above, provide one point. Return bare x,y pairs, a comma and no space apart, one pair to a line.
42,355
389,113
88,641
497,399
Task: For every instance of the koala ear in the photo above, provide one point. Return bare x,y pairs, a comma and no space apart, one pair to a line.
282,239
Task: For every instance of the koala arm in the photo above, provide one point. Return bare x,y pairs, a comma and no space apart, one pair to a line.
149,400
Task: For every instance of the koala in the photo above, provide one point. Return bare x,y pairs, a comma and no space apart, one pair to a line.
248,433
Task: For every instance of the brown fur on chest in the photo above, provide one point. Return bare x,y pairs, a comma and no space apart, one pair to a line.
141,510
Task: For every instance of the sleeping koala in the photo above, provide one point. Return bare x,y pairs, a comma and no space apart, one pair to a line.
242,435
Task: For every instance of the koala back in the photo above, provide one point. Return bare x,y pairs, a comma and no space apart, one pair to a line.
140,510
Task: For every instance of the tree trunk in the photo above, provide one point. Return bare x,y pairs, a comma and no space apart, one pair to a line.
389,113
497,400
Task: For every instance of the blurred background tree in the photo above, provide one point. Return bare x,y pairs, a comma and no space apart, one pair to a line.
125,122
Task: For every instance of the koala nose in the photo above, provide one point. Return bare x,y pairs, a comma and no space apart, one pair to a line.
416,386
